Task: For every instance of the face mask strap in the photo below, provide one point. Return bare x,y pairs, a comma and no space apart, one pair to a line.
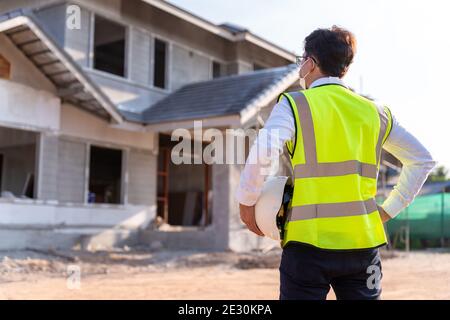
314,63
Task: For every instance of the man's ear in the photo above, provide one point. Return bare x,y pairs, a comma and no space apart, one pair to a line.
314,65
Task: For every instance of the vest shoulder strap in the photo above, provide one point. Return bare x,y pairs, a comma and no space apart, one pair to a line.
292,144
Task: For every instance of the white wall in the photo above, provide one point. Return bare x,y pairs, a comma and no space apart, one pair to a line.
54,18
45,215
77,41
48,167
80,124
140,49
23,106
72,164
187,67
33,225
142,177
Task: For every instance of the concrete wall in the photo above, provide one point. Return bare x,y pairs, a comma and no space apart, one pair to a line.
72,164
43,226
25,107
252,54
238,67
77,123
78,41
142,166
53,20
48,167
188,66
140,49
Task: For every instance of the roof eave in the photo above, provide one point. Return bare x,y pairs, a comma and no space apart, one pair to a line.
217,30
222,121
187,16
268,95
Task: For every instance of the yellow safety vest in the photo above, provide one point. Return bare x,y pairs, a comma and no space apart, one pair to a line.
336,159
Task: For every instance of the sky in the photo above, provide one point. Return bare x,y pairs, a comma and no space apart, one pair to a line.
403,57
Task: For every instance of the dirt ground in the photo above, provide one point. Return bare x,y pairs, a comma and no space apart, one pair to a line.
143,274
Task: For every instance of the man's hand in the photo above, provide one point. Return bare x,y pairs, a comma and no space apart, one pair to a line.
383,215
248,217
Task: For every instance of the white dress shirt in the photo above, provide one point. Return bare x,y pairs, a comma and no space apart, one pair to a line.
416,159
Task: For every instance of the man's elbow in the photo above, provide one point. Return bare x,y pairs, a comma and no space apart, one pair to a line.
430,162
427,161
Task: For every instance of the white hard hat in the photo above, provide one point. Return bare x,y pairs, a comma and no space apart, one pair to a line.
268,206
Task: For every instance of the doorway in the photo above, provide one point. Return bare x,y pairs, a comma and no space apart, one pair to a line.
184,191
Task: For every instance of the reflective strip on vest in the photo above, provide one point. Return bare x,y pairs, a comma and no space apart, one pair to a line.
309,137
334,169
312,168
384,123
333,210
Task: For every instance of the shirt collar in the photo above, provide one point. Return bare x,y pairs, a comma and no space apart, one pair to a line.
327,80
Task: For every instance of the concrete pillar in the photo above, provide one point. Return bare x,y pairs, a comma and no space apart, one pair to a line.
48,166
221,205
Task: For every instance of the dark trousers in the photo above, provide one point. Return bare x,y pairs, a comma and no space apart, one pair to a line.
306,273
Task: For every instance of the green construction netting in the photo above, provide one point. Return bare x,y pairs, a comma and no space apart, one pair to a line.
428,218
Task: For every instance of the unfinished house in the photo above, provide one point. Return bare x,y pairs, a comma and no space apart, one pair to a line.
90,94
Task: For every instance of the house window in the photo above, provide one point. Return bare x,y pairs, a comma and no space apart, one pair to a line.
216,69
159,76
109,46
5,68
105,175
17,163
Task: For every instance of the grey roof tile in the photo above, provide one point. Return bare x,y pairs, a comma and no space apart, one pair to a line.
218,97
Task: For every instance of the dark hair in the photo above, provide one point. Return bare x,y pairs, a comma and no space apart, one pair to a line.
333,49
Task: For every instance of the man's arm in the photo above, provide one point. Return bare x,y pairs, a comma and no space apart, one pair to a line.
383,215
417,165
281,128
